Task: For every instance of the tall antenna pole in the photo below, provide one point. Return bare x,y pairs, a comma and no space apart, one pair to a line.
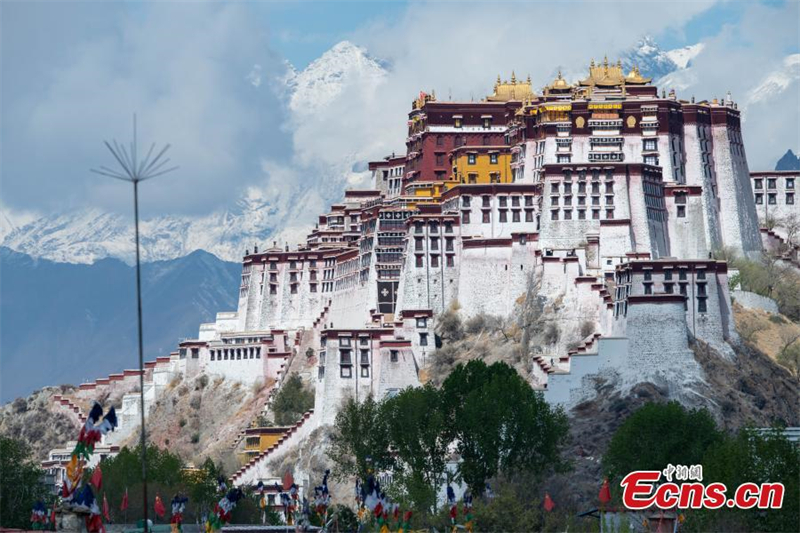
135,172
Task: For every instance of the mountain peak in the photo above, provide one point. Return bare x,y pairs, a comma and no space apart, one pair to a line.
789,161
327,76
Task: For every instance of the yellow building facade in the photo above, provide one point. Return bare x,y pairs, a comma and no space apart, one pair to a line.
481,164
259,439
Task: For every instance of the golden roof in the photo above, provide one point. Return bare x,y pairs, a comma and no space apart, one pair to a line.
610,75
507,91
635,77
559,84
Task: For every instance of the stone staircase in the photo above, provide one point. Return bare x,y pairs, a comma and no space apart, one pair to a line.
76,413
298,336
291,437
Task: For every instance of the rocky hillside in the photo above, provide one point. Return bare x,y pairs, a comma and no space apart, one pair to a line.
200,417
38,421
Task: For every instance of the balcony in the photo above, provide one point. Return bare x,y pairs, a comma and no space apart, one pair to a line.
598,157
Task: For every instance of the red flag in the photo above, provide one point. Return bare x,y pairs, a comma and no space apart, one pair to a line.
106,514
548,502
159,507
124,505
605,492
97,478
53,516
288,481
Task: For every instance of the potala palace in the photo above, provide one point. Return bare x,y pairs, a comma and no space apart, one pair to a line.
606,195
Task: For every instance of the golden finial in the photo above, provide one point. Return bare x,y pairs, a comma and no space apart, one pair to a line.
513,78
592,63
498,79
605,61
619,63
529,79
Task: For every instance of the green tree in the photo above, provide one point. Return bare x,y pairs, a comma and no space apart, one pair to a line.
658,434
417,434
165,477
201,487
500,424
293,399
360,439
752,457
20,484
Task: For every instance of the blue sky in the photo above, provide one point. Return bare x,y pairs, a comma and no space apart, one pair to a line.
72,74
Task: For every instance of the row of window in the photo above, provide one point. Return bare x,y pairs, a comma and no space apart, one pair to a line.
581,215
772,183
621,308
486,216
466,201
581,200
555,187
232,354
772,198
419,260
434,244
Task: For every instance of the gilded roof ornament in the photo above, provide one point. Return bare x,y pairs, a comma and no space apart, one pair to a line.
514,90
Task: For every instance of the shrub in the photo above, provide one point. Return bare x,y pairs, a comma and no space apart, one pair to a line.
195,401
551,333
293,399
195,438
449,326
202,381
587,328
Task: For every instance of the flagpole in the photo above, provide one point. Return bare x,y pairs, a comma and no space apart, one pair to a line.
134,170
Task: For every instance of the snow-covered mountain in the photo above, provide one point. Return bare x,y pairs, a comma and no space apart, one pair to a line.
325,78
682,57
87,235
282,212
650,58
777,81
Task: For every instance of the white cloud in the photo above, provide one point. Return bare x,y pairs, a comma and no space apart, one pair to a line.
184,69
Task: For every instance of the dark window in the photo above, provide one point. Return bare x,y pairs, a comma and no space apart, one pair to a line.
346,371
423,339
701,274
701,305
418,261
759,199
439,140
759,184
434,261
486,218
515,215
394,356
465,217
681,211
503,215
364,371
